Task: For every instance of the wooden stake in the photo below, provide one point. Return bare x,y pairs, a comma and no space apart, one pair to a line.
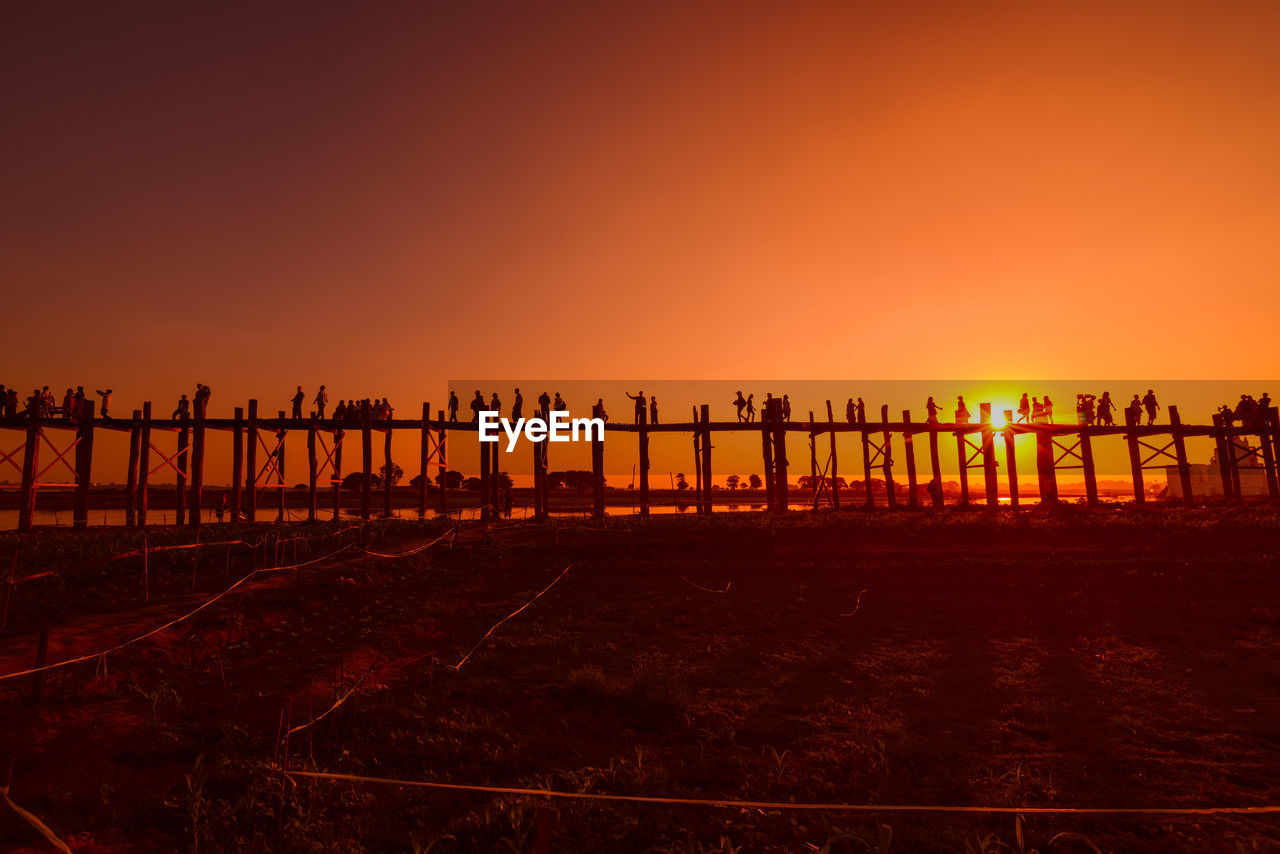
442,455
387,480
1047,470
184,442
780,461
835,474
935,466
30,460
281,434
866,466
644,462
1090,473
424,460
197,470
962,447
1135,459
706,455
237,464
1010,457
366,456
597,475
886,459
766,442
144,463
251,464
312,476
337,473
131,485
909,450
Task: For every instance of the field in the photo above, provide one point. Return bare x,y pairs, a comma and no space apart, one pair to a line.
1077,659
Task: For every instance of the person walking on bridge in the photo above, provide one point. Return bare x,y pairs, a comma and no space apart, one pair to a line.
453,406
298,397
740,403
751,407
477,406
1105,408
321,401
1149,403
183,410
544,405
640,404
495,405
653,409
786,408
932,409
851,411
517,407
962,411
1024,409
106,403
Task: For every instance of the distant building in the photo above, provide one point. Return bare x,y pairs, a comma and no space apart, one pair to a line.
1206,479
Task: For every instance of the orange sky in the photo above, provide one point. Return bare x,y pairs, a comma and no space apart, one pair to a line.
384,199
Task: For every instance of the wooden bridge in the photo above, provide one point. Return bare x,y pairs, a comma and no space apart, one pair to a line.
258,467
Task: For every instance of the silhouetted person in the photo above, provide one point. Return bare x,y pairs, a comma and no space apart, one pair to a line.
1105,408
106,402
68,403
862,412
298,397
931,409
203,393
1037,411
340,411
640,404
1149,403
477,406
11,403
1264,408
962,411
751,407
321,401
935,491
1024,409
544,405
653,409
453,406
851,411
740,403
46,402
495,405
1048,409
517,407
597,411
786,408
559,405
183,410
222,507
505,501
1133,413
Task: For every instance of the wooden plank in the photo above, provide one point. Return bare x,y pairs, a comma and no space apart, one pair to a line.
643,421
144,463
1180,452
84,466
237,464
312,476
424,460
30,460
131,486
886,459
197,471
1010,457
909,450
251,464
835,474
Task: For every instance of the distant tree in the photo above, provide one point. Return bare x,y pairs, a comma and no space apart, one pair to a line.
732,481
396,474
575,479
755,481
355,480
504,481
453,479
472,484
681,483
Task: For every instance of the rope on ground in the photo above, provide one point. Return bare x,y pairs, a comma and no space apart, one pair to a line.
781,805
336,551
413,551
726,589
337,703
495,626
31,819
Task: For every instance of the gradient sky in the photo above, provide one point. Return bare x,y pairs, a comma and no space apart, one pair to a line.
383,196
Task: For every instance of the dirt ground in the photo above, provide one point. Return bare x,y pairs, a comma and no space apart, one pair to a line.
1068,660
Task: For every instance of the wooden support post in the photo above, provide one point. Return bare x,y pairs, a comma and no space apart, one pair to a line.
1010,457
1268,453
494,480
486,510
935,466
184,443
990,474
886,459
366,458
442,458
538,473
780,483
814,486
1180,453
280,437
697,461
1135,462
766,441
597,475
337,473
251,464
962,448
388,481
84,466
1220,444
706,455
144,463
237,464
835,474
1272,417
424,461
909,450
643,432
544,458
197,470
866,466
1047,471
30,461
312,475
131,486
1233,444
1090,471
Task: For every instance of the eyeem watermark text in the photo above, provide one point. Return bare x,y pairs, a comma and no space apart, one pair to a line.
558,427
